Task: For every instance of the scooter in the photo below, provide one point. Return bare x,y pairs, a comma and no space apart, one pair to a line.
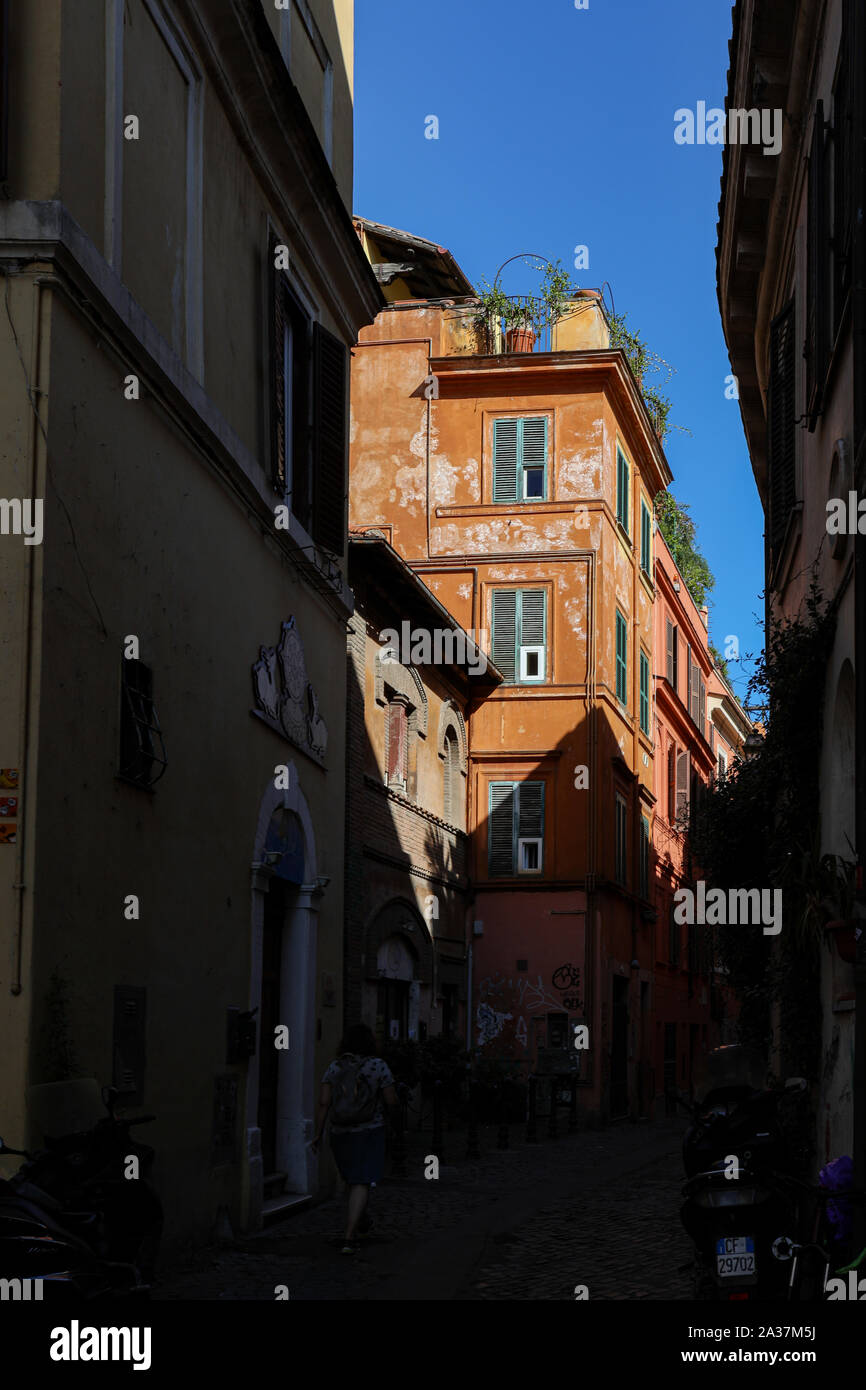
80,1218
739,1203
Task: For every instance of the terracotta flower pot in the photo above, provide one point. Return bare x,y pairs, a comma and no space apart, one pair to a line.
519,339
843,933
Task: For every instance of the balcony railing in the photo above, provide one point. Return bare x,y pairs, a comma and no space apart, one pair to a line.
581,325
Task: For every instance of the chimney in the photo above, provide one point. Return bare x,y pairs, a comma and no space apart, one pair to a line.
705,616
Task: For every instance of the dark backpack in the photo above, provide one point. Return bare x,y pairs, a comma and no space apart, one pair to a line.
354,1096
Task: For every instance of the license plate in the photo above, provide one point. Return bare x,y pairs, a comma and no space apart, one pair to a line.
735,1256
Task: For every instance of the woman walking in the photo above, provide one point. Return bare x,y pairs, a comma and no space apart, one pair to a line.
355,1089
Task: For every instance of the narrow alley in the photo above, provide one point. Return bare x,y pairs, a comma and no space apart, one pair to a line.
599,1208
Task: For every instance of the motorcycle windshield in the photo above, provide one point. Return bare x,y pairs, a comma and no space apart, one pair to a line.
729,1066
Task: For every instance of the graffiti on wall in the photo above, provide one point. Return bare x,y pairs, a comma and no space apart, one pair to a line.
521,996
490,1023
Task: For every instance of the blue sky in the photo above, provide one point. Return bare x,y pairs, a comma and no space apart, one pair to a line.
556,130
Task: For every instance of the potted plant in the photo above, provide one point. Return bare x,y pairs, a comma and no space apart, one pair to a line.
522,316
824,885
842,929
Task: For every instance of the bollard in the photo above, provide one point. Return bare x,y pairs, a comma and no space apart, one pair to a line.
398,1150
437,1144
552,1130
472,1149
502,1135
531,1120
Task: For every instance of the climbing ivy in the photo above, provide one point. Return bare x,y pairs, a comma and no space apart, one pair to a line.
679,531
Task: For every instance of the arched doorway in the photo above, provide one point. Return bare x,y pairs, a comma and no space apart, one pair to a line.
280,1094
398,956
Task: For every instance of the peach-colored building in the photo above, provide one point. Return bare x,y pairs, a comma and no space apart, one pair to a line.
520,487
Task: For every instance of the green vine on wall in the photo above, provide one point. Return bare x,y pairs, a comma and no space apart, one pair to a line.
680,532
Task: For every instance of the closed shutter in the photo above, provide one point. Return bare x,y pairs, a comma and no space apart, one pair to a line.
671,653
621,659
500,829
4,89
644,693
504,623
841,242
451,800
532,615
645,534
817,279
682,782
447,793
330,402
702,708
694,684
530,823
622,484
781,417
277,301
505,460
672,783
534,444
397,731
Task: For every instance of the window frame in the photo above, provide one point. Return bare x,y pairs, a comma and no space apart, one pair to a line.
517,840
521,648
139,724
521,467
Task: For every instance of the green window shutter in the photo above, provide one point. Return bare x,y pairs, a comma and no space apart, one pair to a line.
622,485
505,460
500,829
644,857
672,642
621,659
645,539
533,449
530,819
504,623
644,693
532,617
534,452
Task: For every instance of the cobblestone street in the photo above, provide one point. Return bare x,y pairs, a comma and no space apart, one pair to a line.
598,1208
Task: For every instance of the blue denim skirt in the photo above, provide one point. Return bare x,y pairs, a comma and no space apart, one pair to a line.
360,1156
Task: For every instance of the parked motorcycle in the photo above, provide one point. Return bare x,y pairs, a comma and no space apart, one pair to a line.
742,1201
81,1215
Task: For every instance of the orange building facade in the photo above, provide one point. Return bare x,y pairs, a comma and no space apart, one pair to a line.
688,999
520,487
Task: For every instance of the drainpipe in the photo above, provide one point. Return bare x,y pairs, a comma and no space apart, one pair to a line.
469,1002
27,779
